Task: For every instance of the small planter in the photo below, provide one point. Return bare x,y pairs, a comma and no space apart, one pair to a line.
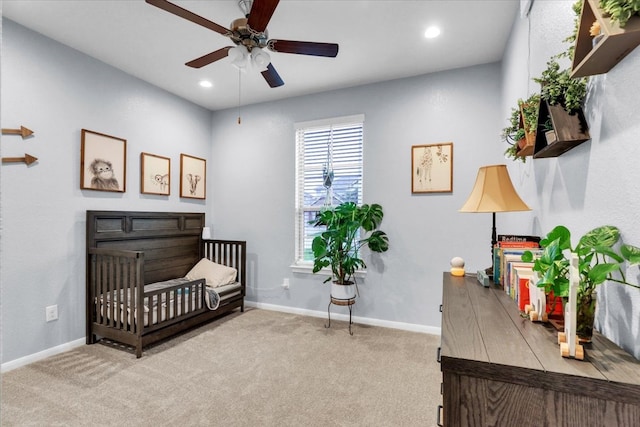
343,292
550,135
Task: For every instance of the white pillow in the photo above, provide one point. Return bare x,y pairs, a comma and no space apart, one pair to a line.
216,274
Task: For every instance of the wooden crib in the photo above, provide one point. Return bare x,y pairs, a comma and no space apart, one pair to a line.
136,262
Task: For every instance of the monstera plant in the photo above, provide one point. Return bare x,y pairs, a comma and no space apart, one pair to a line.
599,260
348,227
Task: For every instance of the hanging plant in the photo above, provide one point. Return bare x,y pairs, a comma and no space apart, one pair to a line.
559,88
620,11
530,110
512,134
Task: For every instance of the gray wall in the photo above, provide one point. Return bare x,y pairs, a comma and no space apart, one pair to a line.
594,184
255,160
57,91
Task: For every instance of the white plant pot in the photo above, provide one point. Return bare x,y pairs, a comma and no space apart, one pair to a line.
343,292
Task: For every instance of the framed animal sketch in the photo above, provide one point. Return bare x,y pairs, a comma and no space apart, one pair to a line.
193,177
432,168
155,174
103,162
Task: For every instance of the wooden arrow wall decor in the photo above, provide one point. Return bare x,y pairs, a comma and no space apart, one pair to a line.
28,159
22,131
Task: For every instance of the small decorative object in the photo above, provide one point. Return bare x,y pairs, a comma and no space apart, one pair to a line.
193,174
28,159
432,168
537,307
155,174
596,33
568,340
103,162
206,233
23,131
457,266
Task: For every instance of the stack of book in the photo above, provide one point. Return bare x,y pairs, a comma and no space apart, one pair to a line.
509,271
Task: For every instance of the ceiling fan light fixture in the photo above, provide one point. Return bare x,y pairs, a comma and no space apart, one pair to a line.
239,57
260,59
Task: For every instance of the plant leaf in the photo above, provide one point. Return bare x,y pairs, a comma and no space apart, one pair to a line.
631,254
600,272
607,235
560,233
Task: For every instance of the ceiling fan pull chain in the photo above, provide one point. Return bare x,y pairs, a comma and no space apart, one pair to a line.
239,88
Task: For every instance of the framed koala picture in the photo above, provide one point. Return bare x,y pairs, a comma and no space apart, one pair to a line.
155,174
193,177
103,162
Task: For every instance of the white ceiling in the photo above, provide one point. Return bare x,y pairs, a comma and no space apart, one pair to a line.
379,40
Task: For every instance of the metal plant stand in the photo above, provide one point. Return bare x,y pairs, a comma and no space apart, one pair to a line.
348,302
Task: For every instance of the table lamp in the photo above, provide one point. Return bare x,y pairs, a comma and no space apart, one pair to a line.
493,192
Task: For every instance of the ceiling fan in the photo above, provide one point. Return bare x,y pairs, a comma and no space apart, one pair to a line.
250,36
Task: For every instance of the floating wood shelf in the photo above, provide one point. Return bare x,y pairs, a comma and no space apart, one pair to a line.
571,130
615,44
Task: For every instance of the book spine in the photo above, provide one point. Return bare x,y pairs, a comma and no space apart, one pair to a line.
517,238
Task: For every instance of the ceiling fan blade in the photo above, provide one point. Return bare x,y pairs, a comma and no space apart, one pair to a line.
209,58
190,16
272,77
304,48
260,14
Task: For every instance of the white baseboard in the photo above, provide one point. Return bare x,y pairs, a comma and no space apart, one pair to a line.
23,361
432,330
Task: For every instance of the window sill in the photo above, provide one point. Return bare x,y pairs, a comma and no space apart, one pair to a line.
307,268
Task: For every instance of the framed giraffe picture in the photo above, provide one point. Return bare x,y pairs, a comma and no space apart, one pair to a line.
432,168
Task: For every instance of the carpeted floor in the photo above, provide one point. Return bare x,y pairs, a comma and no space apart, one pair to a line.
258,368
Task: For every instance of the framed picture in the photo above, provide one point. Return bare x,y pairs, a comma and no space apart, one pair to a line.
155,174
103,162
432,168
193,177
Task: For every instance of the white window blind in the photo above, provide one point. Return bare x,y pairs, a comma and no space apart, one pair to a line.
321,146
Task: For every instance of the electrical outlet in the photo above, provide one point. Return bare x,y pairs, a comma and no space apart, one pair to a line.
285,283
51,313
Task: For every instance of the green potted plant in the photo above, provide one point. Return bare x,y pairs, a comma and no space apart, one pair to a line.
620,11
549,133
598,261
349,227
559,88
512,135
530,109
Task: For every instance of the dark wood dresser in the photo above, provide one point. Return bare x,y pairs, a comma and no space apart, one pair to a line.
500,369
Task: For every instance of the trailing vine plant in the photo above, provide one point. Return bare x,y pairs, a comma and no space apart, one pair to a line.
620,11
559,88
512,134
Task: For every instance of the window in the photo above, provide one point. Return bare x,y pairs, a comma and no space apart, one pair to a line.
322,147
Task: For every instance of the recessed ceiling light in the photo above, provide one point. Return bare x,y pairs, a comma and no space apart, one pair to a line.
206,83
432,32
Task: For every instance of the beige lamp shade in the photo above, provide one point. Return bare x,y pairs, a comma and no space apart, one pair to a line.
493,192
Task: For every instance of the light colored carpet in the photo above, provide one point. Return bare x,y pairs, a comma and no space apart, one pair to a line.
258,368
